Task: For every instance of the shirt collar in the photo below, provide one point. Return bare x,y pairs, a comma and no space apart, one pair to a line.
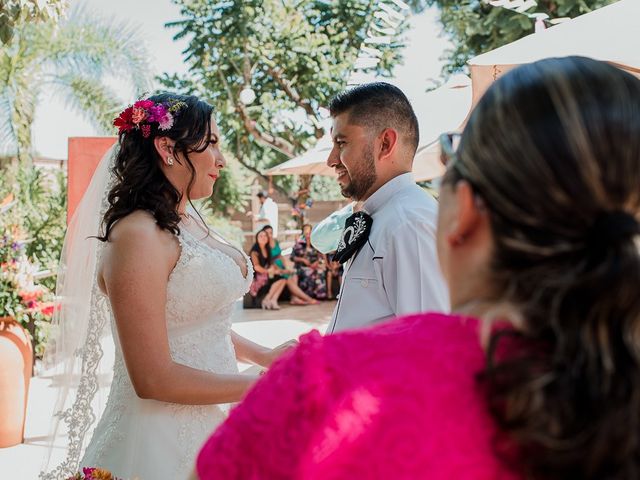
386,191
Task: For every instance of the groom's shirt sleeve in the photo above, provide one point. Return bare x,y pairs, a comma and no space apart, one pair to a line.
410,272
267,434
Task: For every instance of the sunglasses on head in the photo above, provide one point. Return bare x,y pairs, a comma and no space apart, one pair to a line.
449,143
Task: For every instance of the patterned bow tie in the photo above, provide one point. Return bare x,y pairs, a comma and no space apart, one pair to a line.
355,235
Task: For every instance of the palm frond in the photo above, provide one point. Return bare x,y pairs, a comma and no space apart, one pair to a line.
8,137
74,56
99,46
19,71
25,96
95,101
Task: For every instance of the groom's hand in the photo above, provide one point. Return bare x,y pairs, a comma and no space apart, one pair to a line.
275,353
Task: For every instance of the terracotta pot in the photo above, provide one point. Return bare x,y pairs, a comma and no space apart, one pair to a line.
16,360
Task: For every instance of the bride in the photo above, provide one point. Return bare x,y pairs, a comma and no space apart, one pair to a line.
166,285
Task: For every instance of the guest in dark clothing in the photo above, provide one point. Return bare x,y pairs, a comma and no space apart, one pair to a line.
298,297
334,274
266,276
310,266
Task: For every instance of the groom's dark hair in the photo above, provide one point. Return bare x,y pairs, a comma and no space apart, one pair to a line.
377,106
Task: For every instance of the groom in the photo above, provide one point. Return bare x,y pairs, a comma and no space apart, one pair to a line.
389,247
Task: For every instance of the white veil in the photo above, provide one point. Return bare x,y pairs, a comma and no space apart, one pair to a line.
74,355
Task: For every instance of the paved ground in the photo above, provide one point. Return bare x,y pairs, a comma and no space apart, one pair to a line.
270,328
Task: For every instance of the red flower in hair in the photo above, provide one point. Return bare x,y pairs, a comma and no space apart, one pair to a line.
124,121
143,113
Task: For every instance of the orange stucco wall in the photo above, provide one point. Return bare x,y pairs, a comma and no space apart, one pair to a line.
84,155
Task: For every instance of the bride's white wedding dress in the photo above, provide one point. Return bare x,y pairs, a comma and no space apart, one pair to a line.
154,440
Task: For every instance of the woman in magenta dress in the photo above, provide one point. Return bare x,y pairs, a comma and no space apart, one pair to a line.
536,373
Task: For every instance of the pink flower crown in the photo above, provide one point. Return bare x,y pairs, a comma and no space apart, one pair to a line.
143,113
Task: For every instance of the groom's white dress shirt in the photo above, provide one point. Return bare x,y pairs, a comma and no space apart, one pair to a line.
396,272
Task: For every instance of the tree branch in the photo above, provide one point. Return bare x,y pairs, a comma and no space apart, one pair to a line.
263,138
238,156
295,97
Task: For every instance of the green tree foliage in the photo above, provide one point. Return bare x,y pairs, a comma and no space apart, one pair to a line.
72,59
14,13
475,26
39,210
294,54
33,205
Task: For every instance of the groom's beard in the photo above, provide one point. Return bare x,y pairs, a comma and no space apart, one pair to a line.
362,177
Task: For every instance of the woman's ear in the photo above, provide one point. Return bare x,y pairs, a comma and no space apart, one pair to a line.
164,147
468,214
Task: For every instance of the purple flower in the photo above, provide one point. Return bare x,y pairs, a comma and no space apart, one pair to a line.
157,113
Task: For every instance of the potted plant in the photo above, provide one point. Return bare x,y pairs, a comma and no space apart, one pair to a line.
22,303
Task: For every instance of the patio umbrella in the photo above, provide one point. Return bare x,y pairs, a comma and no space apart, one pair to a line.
609,34
427,164
438,111
312,162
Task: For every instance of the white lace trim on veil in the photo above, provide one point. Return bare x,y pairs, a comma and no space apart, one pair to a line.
74,357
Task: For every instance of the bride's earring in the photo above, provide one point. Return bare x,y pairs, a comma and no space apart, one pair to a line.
170,161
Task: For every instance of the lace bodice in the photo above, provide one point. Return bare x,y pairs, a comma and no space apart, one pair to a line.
204,282
201,290
200,294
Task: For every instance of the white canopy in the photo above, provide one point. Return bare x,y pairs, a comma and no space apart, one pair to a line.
439,111
312,162
443,110
610,34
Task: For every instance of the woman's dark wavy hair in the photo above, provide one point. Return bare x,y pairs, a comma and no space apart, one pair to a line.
140,183
256,246
554,150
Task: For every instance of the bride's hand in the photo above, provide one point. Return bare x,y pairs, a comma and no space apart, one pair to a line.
275,353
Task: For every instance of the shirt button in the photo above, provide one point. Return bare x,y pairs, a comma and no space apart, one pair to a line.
364,283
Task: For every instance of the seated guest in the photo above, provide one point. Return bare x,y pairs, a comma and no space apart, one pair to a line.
310,266
298,297
266,277
334,274
536,373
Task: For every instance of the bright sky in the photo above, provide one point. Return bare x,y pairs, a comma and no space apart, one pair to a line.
54,122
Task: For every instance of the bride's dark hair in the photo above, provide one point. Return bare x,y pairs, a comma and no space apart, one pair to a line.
140,183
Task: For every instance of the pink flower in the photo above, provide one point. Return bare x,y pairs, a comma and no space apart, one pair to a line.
166,122
31,295
145,104
138,115
47,308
